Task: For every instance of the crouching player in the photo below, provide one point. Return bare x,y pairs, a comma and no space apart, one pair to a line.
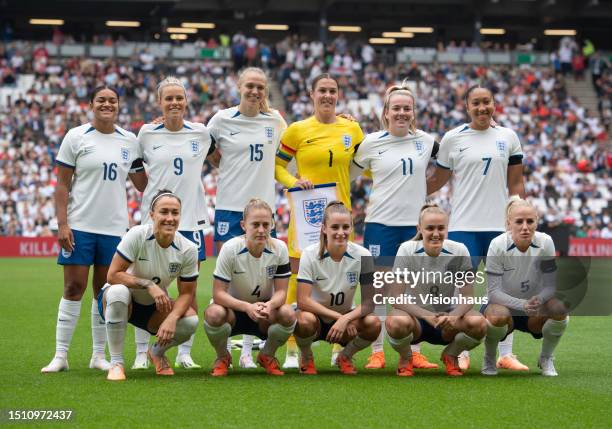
329,274
148,259
521,286
249,291
458,327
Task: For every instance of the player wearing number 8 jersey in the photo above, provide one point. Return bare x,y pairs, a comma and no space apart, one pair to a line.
249,291
93,163
174,153
329,275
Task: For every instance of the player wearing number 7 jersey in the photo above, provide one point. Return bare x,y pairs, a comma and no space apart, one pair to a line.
485,161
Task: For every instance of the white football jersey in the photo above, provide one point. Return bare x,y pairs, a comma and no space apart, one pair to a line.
479,161
151,261
174,161
248,150
251,279
398,166
334,283
97,201
521,272
432,271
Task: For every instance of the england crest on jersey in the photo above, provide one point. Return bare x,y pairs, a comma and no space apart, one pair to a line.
419,146
174,267
222,228
313,211
269,134
351,278
270,271
501,147
125,154
374,249
347,140
195,146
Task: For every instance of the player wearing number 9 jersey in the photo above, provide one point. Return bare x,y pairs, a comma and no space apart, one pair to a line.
93,163
329,275
174,153
247,137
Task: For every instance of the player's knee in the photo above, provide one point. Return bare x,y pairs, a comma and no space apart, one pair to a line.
476,326
306,324
285,315
74,289
371,327
117,293
397,326
555,309
215,315
497,315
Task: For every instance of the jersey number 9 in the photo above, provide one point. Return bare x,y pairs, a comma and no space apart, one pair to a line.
178,166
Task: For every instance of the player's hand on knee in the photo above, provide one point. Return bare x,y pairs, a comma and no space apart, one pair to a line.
254,311
166,332
265,310
337,330
163,304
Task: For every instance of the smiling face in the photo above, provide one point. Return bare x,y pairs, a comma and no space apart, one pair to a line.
252,88
480,107
325,96
105,105
166,214
257,226
433,227
522,223
337,229
173,102
399,113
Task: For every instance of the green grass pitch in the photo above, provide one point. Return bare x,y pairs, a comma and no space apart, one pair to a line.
580,397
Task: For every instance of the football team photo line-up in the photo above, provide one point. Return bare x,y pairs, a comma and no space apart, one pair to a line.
283,293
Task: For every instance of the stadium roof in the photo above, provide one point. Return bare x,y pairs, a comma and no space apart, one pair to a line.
522,20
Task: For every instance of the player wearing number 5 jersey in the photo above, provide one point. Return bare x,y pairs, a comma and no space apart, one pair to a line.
148,259
485,161
174,153
93,163
329,275
249,291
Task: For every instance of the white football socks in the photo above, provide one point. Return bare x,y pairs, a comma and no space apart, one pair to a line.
551,334
277,336
67,317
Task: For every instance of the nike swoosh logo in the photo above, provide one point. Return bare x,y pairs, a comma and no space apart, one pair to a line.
319,279
239,272
233,133
380,152
143,259
63,320
113,323
157,147
509,269
463,148
314,140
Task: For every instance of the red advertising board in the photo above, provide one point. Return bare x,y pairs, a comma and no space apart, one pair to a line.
590,247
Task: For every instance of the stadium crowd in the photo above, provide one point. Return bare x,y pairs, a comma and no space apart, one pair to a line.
567,161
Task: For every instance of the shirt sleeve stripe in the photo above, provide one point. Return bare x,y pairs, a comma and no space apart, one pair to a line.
282,276
304,281
221,278
63,164
123,256
188,279
442,166
515,159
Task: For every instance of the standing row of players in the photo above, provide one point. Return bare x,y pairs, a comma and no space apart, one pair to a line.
246,138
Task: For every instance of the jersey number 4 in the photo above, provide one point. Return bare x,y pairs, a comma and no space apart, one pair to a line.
257,291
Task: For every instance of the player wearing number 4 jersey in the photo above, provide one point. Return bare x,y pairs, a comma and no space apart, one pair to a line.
521,287
174,153
329,275
93,163
485,161
249,291
148,259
